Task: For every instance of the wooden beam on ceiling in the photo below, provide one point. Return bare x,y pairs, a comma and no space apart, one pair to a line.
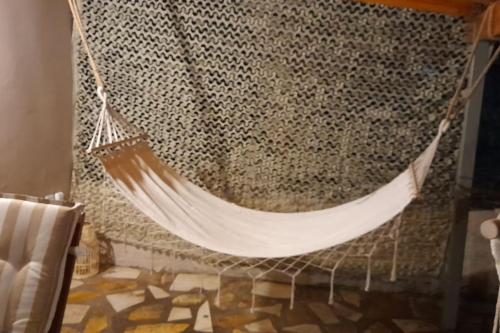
446,7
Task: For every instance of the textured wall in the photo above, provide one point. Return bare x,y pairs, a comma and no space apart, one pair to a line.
35,97
277,105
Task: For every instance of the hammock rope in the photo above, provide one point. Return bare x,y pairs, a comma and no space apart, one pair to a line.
462,94
207,221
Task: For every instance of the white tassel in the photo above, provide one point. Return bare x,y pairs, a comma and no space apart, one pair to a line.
395,258
152,258
174,259
292,293
368,274
252,308
125,241
217,298
331,298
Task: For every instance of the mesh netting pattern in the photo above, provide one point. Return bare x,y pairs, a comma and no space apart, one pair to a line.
276,105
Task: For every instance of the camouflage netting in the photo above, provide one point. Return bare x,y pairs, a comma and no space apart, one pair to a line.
277,105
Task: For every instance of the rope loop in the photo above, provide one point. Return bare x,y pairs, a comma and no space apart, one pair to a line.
102,94
444,125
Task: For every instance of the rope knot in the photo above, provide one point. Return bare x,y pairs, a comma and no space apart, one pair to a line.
444,125
416,185
103,96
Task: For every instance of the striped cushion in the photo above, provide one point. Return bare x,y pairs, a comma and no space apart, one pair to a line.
35,235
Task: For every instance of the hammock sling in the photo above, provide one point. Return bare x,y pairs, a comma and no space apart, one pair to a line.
199,217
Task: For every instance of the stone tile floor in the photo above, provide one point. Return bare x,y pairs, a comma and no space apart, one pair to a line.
135,301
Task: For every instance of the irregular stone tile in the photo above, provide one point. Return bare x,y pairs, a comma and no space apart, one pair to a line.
300,314
243,304
154,278
109,287
68,330
308,294
323,312
345,327
414,326
123,301
139,292
351,297
236,294
188,282
158,328
158,293
346,312
179,314
188,299
166,278
238,285
235,320
210,282
381,306
82,296
424,308
96,324
75,313
146,312
122,273
226,300
304,328
75,284
272,309
378,328
263,326
203,321
272,290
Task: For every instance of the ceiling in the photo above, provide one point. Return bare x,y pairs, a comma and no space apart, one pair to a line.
447,7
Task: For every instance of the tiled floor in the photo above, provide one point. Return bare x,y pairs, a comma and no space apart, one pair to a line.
134,301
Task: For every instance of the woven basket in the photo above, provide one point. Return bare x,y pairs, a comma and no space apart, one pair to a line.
87,262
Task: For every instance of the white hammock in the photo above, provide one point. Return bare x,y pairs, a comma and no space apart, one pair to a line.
195,215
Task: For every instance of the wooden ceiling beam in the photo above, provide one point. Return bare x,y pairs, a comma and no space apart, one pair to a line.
446,7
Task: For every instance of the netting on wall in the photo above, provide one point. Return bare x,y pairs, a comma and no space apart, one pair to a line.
280,106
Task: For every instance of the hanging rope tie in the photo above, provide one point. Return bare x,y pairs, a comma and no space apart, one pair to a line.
96,137
108,129
462,95
73,6
111,126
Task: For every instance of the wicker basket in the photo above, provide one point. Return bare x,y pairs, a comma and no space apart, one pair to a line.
87,262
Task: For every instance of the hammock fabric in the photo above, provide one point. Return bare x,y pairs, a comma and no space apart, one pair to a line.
195,215
199,217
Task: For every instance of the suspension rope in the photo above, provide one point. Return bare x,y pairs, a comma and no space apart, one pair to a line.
461,94
73,6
